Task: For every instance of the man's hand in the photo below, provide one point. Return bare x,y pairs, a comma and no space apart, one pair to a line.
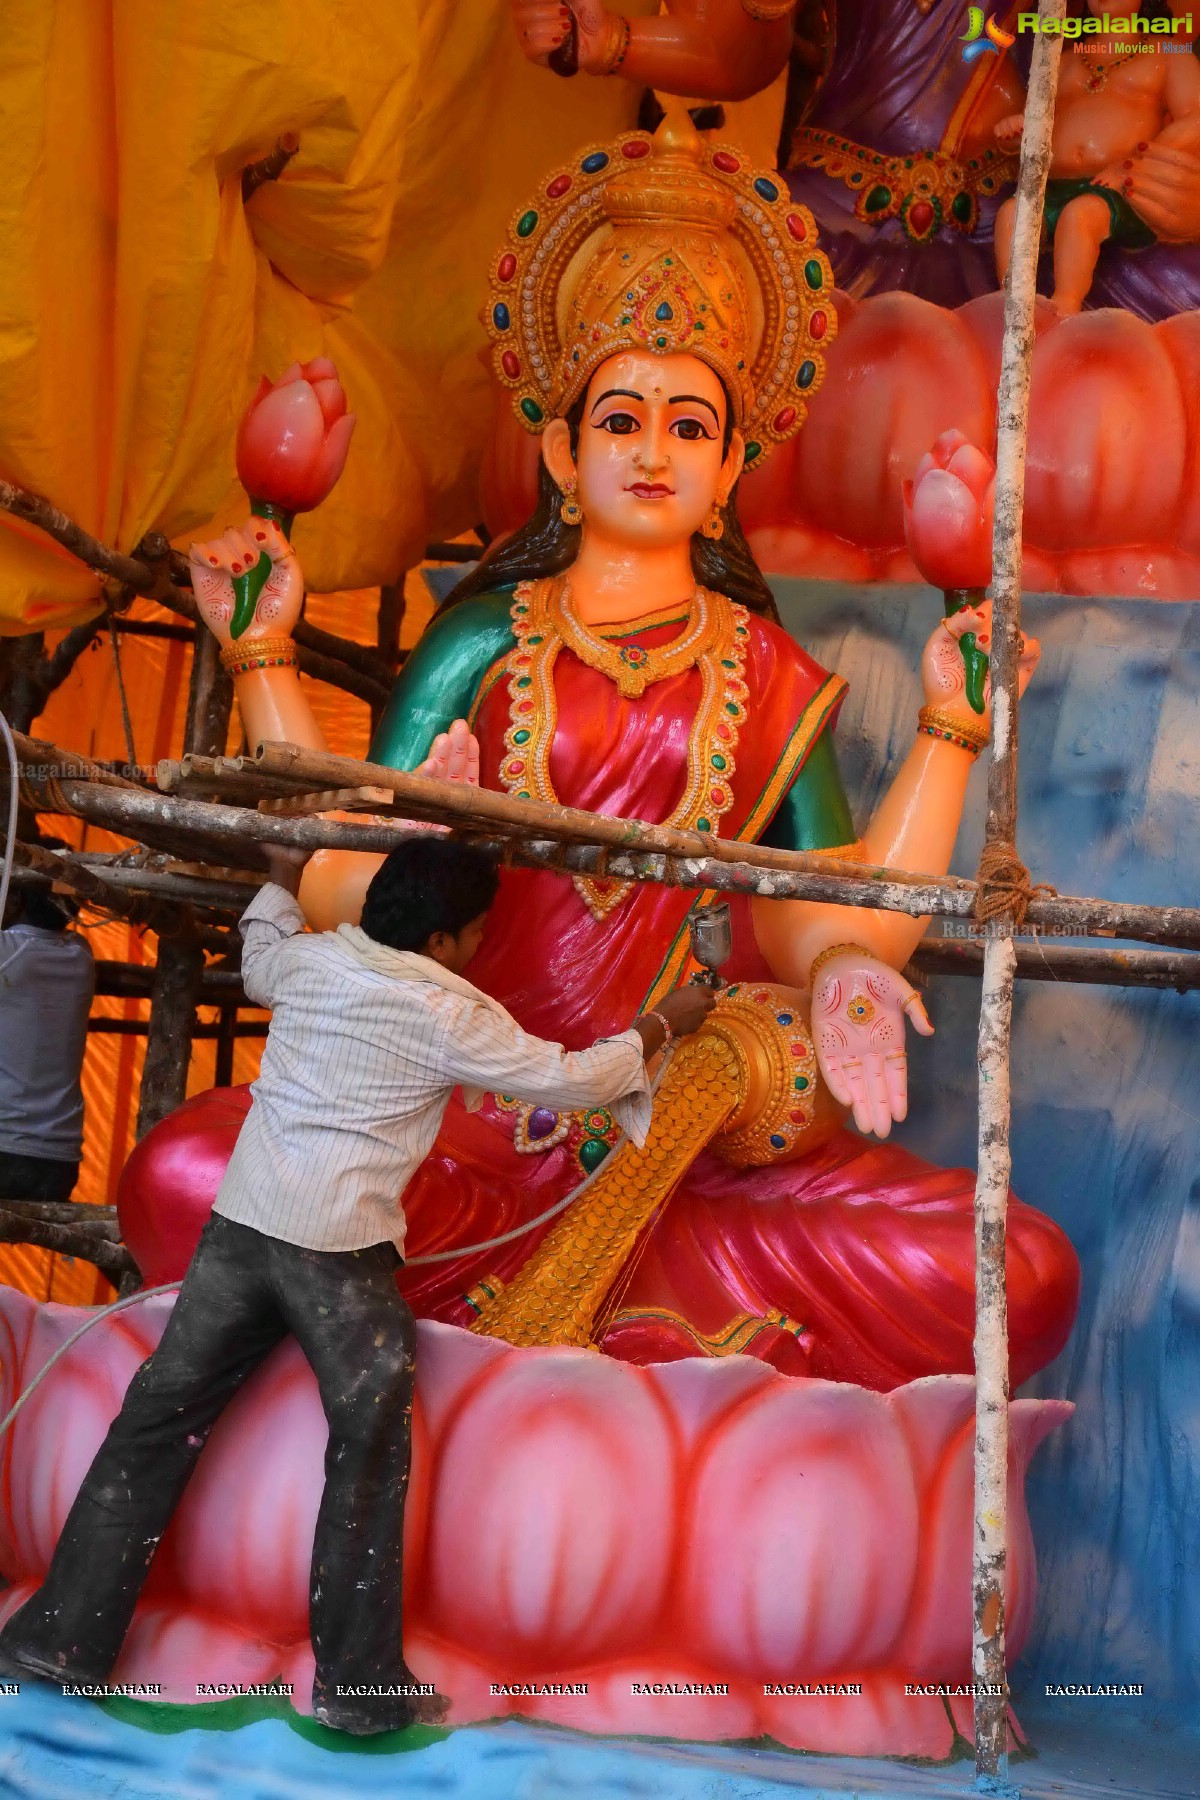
215,564
684,1009
285,865
858,1009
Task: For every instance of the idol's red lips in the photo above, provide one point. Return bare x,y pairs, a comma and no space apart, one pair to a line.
649,490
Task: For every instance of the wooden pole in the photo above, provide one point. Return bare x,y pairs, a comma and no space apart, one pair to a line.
172,1022
210,699
990,1535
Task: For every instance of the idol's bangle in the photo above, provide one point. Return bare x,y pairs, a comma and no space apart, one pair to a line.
616,47
259,653
825,956
950,729
668,1034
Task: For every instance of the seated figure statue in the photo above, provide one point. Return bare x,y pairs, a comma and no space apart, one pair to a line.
892,131
658,316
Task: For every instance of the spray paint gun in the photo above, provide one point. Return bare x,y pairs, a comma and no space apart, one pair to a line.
711,931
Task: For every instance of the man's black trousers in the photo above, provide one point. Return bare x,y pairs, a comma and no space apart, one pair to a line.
243,1293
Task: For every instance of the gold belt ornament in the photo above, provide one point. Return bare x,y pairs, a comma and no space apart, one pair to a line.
925,191
747,1084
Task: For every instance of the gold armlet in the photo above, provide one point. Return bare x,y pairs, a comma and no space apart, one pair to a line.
259,653
952,730
617,48
825,956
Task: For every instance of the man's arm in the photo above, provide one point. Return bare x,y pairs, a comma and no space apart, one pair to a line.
487,1050
271,918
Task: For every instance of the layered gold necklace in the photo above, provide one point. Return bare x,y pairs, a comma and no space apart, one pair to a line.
713,642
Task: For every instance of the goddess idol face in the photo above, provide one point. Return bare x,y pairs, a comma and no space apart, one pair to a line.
651,458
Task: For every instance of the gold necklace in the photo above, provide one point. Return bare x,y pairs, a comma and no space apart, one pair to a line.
632,666
1096,75
715,644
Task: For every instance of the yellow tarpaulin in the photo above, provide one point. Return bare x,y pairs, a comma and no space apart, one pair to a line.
140,299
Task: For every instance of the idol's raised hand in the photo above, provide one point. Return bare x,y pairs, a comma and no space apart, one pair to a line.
943,672
543,27
858,1011
217,564
453,755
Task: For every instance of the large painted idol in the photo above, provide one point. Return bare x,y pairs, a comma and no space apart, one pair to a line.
764,1475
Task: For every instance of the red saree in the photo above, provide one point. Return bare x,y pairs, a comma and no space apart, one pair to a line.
869,1248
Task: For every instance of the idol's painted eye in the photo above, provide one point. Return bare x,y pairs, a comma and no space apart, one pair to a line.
693,430
621,424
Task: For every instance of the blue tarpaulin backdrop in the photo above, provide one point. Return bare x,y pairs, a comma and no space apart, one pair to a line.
1106,1098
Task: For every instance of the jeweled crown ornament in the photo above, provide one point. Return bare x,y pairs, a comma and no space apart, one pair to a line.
667,244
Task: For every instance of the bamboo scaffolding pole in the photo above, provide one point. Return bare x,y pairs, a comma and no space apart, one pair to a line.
1048,961
727,868
990,1526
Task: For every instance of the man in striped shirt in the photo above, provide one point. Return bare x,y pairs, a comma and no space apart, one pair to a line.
373,1027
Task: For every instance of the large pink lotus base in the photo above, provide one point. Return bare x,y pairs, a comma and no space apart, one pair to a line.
572,1520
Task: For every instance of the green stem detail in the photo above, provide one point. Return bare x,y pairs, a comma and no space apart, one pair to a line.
248,587
975,661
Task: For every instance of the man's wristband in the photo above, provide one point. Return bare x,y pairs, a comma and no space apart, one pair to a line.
668,1034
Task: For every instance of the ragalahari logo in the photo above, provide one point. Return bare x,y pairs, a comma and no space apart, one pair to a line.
983,35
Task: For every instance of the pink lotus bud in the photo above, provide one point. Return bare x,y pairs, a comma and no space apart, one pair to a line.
293,440
948,508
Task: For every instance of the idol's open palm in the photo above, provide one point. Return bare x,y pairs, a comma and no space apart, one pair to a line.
859,1005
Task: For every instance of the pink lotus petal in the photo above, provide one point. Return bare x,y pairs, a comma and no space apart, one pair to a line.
331,398
948,535
292,373
945,446
278,445
974,467
332,458
321,368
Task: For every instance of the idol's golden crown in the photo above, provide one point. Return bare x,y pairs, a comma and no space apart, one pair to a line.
668,244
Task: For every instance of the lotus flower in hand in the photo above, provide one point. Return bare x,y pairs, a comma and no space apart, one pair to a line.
948,511
293,440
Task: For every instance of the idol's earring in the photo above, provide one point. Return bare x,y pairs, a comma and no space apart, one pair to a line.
714,525
570,512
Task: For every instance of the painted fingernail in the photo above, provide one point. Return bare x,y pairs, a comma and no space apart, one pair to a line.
237,568
215,561
261,536
1127,165
1143,146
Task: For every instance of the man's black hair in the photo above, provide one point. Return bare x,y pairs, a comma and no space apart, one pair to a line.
427,885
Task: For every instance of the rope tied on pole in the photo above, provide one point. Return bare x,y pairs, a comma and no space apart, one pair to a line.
1005,890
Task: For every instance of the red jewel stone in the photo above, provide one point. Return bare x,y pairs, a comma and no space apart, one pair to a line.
783,418
797,1049
635,150
818,325
797,1117
516,768
797,227
717,796
722,159
724,733
920,217
510,362
558,187
506,268
761,996
525,706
